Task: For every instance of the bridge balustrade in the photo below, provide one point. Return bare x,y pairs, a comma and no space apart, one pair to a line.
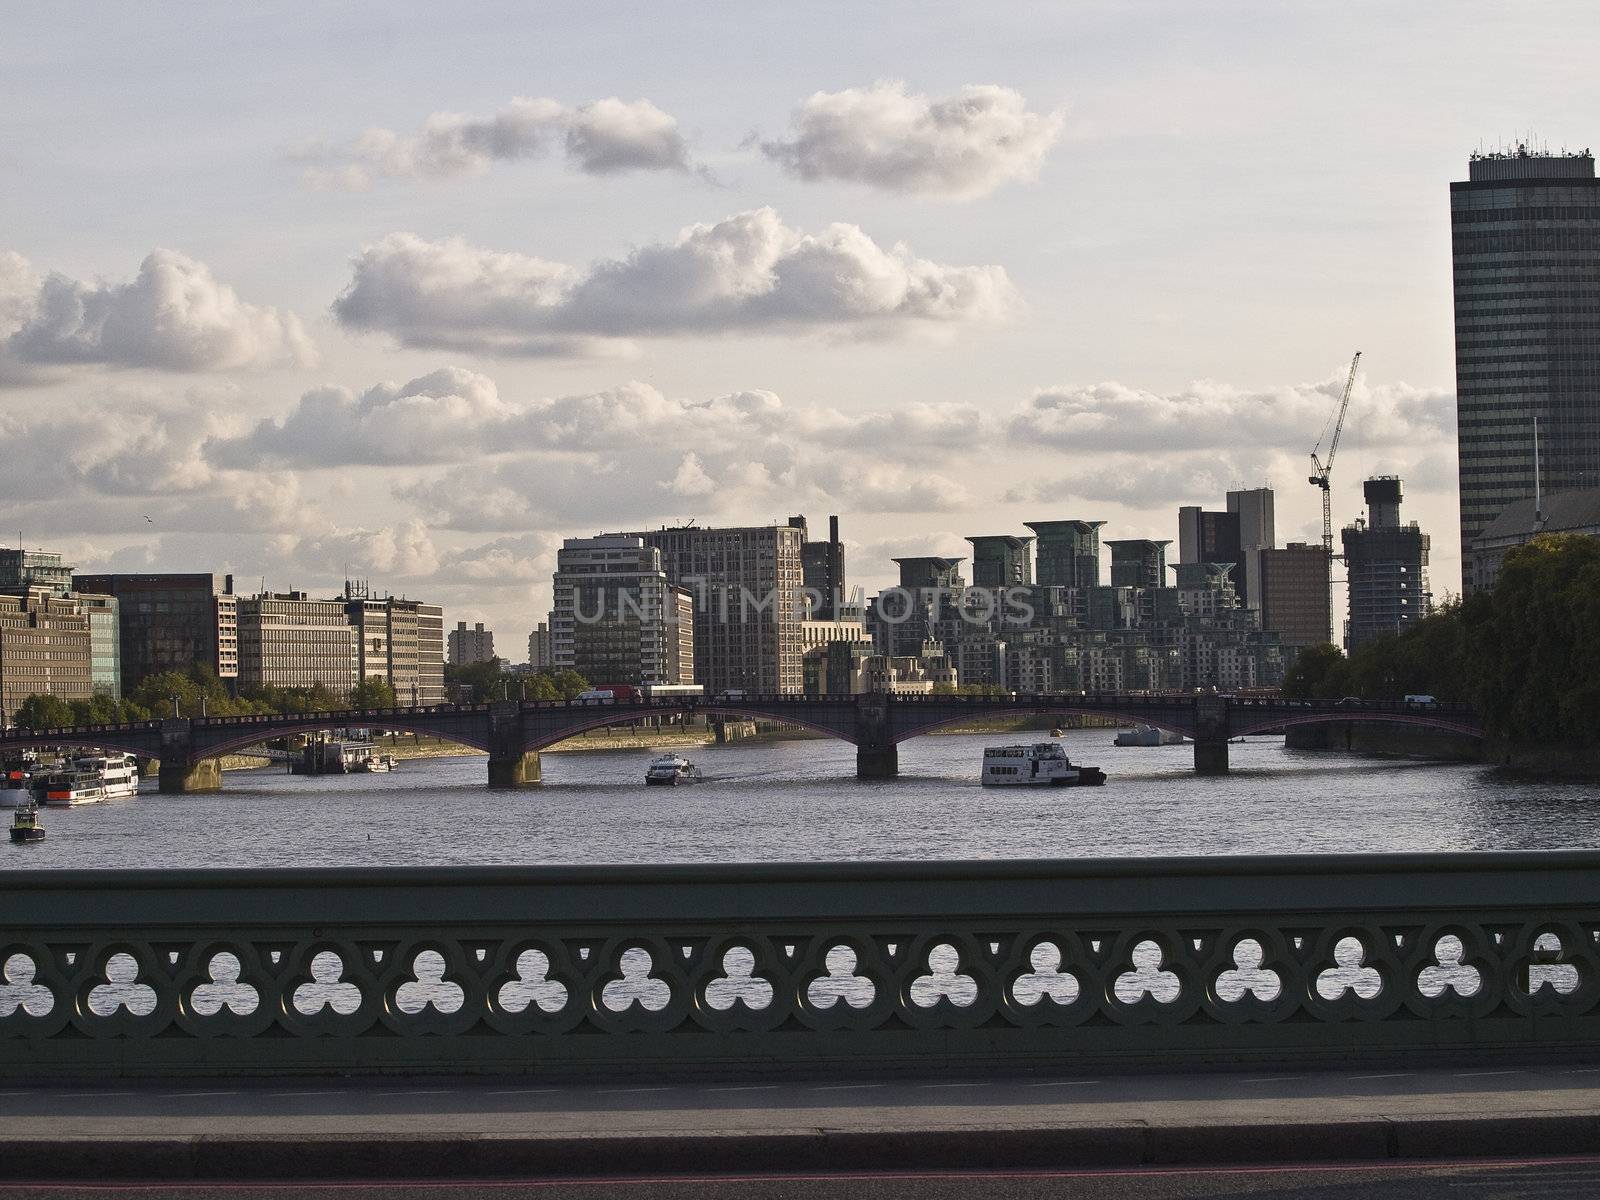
822,968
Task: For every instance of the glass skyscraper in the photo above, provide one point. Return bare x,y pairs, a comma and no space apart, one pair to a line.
1525,231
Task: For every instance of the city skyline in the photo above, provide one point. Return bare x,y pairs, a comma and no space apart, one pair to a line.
950,352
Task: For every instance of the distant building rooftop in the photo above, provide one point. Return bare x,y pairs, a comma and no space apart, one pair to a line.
1519,162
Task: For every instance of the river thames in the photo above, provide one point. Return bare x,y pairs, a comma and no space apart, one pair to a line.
800,800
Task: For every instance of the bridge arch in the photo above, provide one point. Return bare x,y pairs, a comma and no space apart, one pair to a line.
1165,721
253,737
1242,724
624,715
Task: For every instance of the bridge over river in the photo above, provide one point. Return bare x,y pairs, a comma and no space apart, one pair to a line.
513,732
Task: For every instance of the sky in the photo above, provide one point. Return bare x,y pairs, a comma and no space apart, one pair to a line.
410,292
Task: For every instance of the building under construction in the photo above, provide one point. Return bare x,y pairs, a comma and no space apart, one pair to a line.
1386,563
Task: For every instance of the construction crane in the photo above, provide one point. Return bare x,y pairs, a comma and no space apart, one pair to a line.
1325,469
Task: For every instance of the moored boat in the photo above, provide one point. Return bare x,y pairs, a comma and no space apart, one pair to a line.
71,788
670,770
119,773
16,774
1043,764
1147,735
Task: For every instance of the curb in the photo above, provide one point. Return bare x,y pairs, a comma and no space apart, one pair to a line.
527,1156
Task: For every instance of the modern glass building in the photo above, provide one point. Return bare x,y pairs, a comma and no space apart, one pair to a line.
1525,230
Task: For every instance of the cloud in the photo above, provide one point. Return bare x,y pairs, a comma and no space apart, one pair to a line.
174,316
606,137
955,148
1112,416
748,272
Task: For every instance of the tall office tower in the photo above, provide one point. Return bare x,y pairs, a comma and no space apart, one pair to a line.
1295,600
1257,532
1386,563
745,591
1525,232
171,622
473,645
822,568
400,642
1001,561
287,639
617,617
1067,553
539,655
1139,562
1207,537
748,604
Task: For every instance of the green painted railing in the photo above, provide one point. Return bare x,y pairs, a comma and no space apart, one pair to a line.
934,967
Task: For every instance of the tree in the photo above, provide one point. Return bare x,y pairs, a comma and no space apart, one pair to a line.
44,712
372,692
1318,673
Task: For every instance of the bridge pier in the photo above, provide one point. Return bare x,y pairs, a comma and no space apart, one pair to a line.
514,771
1211,756
178,778
1211,729
877,762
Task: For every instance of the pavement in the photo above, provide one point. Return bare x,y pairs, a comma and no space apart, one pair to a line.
1032,1134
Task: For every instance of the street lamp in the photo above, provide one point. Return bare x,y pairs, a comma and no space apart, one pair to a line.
175,711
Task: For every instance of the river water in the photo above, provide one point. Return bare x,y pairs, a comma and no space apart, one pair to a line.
800,800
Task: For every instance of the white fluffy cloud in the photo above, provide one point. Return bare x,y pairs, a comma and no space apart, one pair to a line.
174,316
603,138
957,147
747,272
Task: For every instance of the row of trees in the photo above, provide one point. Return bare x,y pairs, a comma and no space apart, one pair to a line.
1526,655
198,690
484,681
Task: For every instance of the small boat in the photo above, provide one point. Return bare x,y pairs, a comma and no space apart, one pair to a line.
1043,764
377,763
1057,731
669,770
1147,735
25,825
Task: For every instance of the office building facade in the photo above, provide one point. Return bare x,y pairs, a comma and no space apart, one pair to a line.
617,618
1295,600
822,572
169,622
401,642
21,569
289,640
747,589
1525,234
44,648
1386,564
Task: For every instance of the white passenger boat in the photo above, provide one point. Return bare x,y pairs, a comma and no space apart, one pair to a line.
1043,764
119,773
71,788
669,770
377,763
91,779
